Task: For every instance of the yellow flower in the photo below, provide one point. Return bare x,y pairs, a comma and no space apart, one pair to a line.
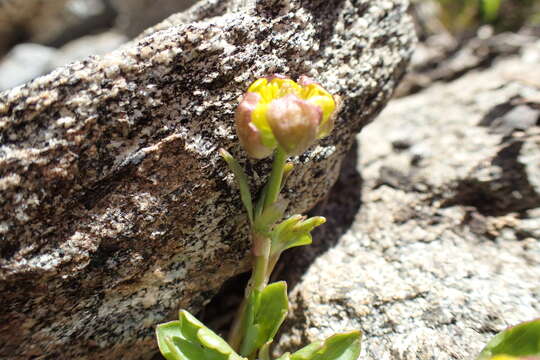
508,357
279,111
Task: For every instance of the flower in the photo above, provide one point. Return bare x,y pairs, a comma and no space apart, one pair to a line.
277,111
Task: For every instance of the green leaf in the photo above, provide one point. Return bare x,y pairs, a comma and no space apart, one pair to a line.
345,346
520,340
241,180
308,351
260,201
294,231
272,310
264,351
164,333
270,216
490,9
287,169
189,339
286,356
174,351
267,311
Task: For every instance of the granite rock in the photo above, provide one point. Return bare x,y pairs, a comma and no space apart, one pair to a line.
444,251
116,208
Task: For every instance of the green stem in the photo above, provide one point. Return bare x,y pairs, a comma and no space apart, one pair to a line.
262,255
258,281
261,251
274,183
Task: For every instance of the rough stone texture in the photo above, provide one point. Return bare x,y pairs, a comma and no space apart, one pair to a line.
116,209
444,251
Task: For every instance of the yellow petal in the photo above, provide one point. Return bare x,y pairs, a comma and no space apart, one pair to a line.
257,85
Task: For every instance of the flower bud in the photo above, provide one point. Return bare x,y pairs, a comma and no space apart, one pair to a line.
276,111
248,133
294,123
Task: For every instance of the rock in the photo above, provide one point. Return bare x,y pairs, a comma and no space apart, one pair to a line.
85,46
25,62
28,61
442,56
444,251
116,208
20,20
51,22
136,16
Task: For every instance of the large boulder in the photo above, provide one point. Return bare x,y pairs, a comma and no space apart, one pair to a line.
116,208
444,251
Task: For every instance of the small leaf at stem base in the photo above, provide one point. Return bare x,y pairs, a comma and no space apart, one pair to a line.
518,342
344,346
266,311
188,339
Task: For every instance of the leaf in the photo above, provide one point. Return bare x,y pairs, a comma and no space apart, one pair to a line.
345,346
241,180
287,169
286,356
188,339
308,351
294,231
267,311
264,351
272,310
260,201
490,9
522,340
270,216
164,332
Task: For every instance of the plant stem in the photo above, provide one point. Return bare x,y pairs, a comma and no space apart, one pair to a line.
261,251
258,277
274,183
258,281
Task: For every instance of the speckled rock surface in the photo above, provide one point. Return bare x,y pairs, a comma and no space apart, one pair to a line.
444,251
116,209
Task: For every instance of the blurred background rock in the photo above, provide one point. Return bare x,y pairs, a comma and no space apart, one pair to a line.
37,36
